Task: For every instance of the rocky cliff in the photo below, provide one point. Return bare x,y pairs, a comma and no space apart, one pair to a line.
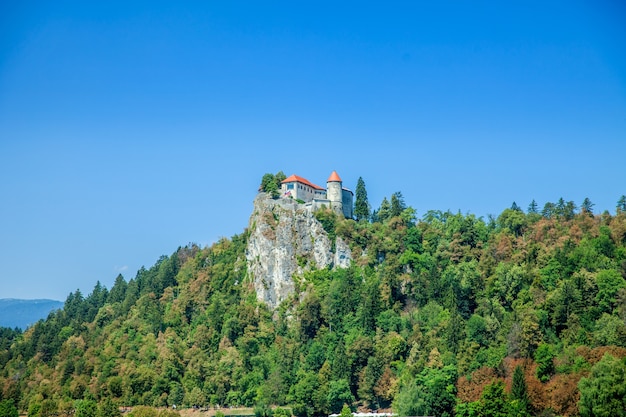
286,240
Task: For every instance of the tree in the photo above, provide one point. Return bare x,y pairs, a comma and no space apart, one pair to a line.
361,205
494,400
86,408
570,210
519,393
603,393
271,183
49,408
587,207
545,361
559,208
621,204
533,208
514,220
279,177
384,212
143,411
609,282
432,393
397,204
7,409
515,207
263,410
345,411
266,181
118,292
107,408
304,395
339,395
548,210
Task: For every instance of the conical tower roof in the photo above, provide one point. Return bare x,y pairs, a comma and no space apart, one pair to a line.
334,177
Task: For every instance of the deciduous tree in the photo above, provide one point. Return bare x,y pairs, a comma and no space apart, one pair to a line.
603,393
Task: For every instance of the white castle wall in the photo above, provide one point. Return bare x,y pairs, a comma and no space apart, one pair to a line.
333,193
335,197
299,191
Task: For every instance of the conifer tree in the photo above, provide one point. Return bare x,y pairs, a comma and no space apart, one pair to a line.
587,206
532,207
621,204
384,212
548,210
361,205
519,392
397,204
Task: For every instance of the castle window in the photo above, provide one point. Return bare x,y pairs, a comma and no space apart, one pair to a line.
290,186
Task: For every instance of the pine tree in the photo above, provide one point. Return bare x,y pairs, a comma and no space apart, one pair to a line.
397,204
621,204
384,212
587,206
361,205
548,210
532,207
519,392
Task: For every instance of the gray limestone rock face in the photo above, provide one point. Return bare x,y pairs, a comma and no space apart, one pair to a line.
285,240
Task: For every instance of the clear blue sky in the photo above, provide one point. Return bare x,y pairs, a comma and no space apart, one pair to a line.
130,128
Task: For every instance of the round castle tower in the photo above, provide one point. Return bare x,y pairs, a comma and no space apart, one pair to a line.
334,193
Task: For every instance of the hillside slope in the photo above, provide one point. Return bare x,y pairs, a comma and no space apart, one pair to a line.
23,313
433,317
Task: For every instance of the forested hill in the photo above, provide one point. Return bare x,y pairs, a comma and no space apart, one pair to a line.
522,314
22,313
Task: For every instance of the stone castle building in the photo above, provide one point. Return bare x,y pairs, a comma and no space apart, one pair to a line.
334,195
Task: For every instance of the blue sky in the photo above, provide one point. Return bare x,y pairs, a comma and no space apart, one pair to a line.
128,129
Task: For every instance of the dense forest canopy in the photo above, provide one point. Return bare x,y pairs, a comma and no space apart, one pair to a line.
449,314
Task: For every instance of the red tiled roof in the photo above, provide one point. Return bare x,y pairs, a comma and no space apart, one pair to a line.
334,177
295,178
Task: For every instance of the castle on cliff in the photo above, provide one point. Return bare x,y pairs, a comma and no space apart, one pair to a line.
334,195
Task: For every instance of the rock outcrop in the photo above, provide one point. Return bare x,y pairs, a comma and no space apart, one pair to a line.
285,240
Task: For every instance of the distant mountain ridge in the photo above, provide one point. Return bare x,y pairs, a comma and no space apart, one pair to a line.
23,313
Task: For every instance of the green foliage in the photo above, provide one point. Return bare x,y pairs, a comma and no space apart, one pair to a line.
8,409
494,401
361,204
519,392
425,301
86,408
339,395
513,220
271,183
471,409
281,412
544,357
144,411
432,392
107,408
305,395
383,213
263,410
328,218
397,204
603,393
345,411
609,284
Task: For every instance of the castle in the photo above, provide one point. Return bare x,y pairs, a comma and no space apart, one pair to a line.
334,195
